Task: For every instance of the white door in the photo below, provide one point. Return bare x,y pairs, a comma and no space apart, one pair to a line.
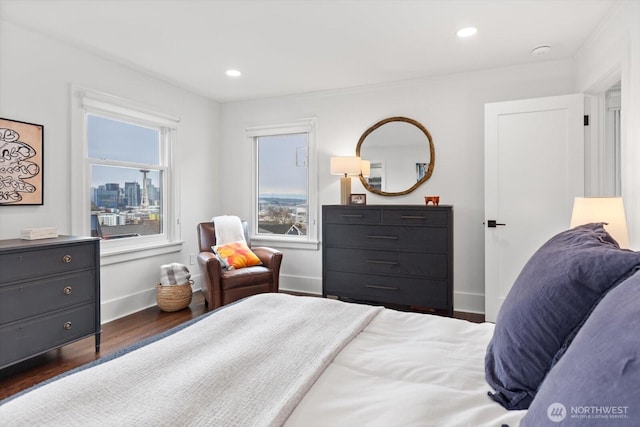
534,167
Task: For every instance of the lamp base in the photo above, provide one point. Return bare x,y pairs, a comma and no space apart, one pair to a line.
345,190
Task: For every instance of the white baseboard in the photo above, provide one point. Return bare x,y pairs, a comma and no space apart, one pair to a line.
468,302
129,304
304,284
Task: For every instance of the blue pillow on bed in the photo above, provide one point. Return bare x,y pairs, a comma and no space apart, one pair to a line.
549,301
597,381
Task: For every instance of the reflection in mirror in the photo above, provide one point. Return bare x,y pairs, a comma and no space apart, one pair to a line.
401,154
611,145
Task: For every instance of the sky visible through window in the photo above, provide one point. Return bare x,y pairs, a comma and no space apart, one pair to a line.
283,166
120,141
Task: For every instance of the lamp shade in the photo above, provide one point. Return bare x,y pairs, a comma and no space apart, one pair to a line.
365,168
602,209
345,165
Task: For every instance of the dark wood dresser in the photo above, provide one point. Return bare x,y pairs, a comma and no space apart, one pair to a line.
395,255
49,295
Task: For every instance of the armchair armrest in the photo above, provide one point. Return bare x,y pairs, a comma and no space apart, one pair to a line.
209,262
271,258
211,271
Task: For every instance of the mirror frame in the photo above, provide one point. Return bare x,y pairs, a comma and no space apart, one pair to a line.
432,154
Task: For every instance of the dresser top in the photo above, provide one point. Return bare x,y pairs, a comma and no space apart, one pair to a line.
12,244
391,206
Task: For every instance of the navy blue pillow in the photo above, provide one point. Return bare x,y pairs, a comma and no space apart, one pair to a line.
597,381
549,301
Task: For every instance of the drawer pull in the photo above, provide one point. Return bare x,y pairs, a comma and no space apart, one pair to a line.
67,290
352,216
386,288
67,325
66,259
375,261
383,237
413,217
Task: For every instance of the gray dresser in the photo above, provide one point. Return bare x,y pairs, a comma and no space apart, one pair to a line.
395,255
49,295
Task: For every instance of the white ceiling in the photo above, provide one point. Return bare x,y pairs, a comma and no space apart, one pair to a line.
287,47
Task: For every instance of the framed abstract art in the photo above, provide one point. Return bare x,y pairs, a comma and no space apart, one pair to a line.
21,163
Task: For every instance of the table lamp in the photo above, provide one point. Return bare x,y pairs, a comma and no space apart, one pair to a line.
345,166
602,209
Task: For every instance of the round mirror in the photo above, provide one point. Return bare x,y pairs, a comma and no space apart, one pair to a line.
401,155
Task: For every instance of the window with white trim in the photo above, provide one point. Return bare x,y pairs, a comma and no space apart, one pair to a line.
127,178
129,171
284,193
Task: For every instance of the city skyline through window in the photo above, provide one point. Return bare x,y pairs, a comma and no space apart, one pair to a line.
126,178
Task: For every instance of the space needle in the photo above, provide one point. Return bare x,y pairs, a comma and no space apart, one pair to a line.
145,191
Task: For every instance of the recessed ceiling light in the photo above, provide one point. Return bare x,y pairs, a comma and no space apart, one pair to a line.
233,73
467,32
540,50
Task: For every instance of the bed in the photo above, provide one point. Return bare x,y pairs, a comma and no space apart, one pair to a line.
276,359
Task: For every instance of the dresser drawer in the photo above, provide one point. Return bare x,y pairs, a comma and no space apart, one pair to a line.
409,239
389,254
392,290
353,215
45,295
416,217
389,263
25,339
58,259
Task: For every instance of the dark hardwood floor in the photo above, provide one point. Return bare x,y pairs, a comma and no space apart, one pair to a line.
115,335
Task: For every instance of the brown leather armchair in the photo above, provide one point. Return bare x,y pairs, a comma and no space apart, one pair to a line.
221,286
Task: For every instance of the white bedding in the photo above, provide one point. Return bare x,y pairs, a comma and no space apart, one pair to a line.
249,364
407,369
246,365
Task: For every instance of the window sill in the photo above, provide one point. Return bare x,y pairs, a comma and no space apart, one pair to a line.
285,243
110,256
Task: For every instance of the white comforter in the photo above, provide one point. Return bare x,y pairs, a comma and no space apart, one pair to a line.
251,363
407,369
246,365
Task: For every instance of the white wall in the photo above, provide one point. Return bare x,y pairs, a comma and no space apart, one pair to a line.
452,109
612,54
36,74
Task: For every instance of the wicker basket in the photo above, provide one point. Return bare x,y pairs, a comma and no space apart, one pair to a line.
174,297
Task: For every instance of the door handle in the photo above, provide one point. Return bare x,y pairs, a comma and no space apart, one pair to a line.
492,223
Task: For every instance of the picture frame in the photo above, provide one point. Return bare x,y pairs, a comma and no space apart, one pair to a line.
357,199
21,163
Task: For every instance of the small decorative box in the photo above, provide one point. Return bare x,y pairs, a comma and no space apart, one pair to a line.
38,233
